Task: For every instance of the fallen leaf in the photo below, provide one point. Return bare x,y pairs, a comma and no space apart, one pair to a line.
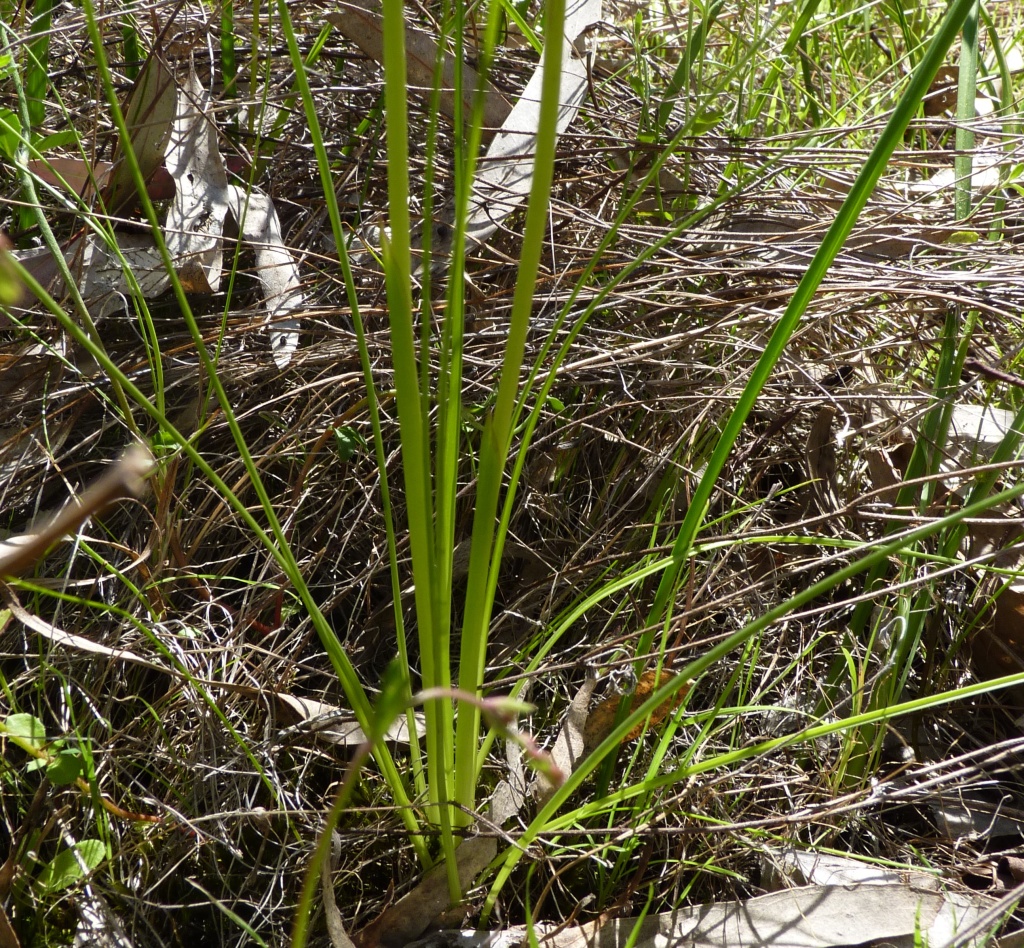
570,745
58,636
125,479
410,916
806,917
275,268
337,725
941,95
510,793
601,720
820,453
329,722
194,225
335,923
361,21
149,117
963,815
826,916
98,926
74,175
506,172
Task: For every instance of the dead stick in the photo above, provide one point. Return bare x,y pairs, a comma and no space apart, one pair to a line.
125,479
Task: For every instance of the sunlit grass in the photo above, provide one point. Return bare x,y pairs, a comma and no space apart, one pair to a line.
796,82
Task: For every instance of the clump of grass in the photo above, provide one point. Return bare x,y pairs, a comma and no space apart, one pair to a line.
620,442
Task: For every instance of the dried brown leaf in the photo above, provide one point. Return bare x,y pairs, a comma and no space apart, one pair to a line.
149,116
601,720
125,479
361,21
410,916
570,746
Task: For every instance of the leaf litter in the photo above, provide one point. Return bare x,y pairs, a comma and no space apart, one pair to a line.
172,133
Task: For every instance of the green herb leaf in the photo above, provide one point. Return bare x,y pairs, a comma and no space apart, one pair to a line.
66,767
347,442
10,134
392,700
65,869
28,727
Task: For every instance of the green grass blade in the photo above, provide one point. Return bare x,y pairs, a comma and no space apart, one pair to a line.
228,63
324,166
496,441
833,241
38,57
413,415
966,90
544,820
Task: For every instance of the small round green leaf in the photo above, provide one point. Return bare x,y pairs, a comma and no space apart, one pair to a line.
66,767
28,727
65,869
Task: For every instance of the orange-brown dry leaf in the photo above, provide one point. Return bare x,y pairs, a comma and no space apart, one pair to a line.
601,719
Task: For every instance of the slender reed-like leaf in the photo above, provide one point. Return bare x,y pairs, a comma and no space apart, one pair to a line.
966,90
545,819
496,440
414,423
324,166
836,235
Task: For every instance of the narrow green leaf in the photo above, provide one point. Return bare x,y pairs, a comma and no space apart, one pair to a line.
831,244
133,55
967,88
392,700
10,293
36,77
229,69
347,442
10,134
486,544
62,139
